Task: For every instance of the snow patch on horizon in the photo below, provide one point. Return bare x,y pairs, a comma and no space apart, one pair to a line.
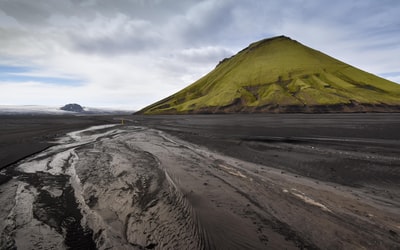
25,109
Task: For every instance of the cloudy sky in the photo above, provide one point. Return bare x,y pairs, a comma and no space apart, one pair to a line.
130,53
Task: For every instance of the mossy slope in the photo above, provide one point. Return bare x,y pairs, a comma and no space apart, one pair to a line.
282,75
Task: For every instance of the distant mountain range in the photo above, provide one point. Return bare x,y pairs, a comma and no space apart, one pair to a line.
69,109
282,75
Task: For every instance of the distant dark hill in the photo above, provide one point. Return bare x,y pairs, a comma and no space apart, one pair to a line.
282,75
73,107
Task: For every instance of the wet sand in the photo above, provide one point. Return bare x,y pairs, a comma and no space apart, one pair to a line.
211,182
22,135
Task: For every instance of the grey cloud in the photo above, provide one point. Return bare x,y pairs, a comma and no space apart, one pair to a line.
78,22
190,25
207,22
204,54
156,10
25,11
110,46
38,12
117,35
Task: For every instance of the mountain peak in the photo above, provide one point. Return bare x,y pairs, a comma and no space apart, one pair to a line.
272,39
282,75
283,40
73,107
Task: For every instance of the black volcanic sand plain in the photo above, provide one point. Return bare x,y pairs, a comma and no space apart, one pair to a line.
265,181
321,146
358,153
23,135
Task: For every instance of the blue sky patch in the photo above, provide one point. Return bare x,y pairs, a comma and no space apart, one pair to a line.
21,74
390,74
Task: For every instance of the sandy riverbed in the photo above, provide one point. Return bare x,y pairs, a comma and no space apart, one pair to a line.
211,182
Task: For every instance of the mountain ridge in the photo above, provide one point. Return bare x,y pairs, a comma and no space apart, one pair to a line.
281,75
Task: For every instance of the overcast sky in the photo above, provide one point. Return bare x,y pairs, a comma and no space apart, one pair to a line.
131,53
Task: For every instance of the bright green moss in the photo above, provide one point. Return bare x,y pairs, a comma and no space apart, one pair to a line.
284,72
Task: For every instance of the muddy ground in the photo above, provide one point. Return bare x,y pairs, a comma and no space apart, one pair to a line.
290,181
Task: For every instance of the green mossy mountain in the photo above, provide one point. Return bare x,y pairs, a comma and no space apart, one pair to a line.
282,75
